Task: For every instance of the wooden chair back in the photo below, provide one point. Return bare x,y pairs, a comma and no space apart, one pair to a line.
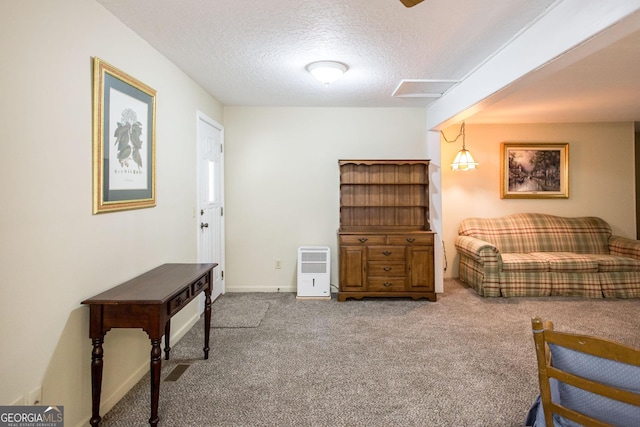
588,380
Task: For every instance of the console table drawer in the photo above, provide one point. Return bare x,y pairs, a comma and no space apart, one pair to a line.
387,284
177,302
386,253
199,285
386,269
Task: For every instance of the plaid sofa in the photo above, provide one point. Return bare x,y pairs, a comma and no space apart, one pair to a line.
534,254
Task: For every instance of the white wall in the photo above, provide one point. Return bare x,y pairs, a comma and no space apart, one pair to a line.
282,180
54,252
601,176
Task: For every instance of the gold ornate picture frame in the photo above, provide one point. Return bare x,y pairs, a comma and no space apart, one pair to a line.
124,118
534,170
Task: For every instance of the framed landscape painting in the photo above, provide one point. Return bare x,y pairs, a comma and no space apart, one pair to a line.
534,170
124,113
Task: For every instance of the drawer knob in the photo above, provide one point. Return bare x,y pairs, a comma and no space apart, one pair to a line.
410,239
386,253
179,301
363,239
387,284
387,268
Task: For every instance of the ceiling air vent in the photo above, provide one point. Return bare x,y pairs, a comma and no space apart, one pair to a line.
416,88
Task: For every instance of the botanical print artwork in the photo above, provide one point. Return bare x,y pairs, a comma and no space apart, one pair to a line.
534,170
126,150
124,122
128,139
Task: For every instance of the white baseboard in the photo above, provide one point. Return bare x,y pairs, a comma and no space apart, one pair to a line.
110,401
175,337
270,288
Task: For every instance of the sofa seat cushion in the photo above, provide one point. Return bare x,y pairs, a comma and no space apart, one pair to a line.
524,262
614,263
569,262
620,284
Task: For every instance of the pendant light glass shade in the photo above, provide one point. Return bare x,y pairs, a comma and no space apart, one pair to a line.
464,161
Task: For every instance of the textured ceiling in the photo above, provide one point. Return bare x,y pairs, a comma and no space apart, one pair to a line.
254,53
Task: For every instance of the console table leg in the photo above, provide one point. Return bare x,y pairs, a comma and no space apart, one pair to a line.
156,364
96,380
167,335
207,320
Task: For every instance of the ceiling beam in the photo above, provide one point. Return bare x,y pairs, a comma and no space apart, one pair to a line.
568,24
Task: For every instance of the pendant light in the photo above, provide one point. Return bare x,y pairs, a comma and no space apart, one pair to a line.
464,160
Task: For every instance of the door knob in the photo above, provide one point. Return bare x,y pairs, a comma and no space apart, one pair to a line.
204,225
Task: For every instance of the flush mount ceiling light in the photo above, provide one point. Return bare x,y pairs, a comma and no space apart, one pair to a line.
464,160
327,72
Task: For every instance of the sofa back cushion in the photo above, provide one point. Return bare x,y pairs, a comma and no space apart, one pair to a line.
532,232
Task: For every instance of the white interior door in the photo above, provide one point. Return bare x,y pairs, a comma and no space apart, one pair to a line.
210,210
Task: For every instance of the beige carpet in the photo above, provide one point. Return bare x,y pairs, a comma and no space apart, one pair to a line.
235,311
461,361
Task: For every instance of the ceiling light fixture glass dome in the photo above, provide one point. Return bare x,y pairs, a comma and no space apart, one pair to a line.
327,72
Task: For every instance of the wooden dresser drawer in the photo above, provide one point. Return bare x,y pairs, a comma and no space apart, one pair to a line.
386,253
362,239
386,269
411,239
387,284
199,285
178,301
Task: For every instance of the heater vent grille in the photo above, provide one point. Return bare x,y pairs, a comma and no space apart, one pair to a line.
314,271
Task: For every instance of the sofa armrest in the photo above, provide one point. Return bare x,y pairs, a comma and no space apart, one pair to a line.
623,246
477,249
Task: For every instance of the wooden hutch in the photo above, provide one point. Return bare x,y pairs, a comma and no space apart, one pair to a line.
385,240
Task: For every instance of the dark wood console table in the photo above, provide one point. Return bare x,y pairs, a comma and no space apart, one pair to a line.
148,302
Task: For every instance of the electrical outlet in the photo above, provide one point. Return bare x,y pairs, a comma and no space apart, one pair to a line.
35,396
278,264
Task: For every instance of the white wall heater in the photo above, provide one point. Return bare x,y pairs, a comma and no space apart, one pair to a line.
314,271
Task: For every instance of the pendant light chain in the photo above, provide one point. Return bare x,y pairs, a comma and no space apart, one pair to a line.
457,137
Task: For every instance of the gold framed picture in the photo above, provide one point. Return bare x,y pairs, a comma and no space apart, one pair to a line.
530,170
124,118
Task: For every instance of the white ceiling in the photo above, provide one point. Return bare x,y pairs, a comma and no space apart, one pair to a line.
254,53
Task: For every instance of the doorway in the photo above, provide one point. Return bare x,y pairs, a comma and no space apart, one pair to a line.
210,209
